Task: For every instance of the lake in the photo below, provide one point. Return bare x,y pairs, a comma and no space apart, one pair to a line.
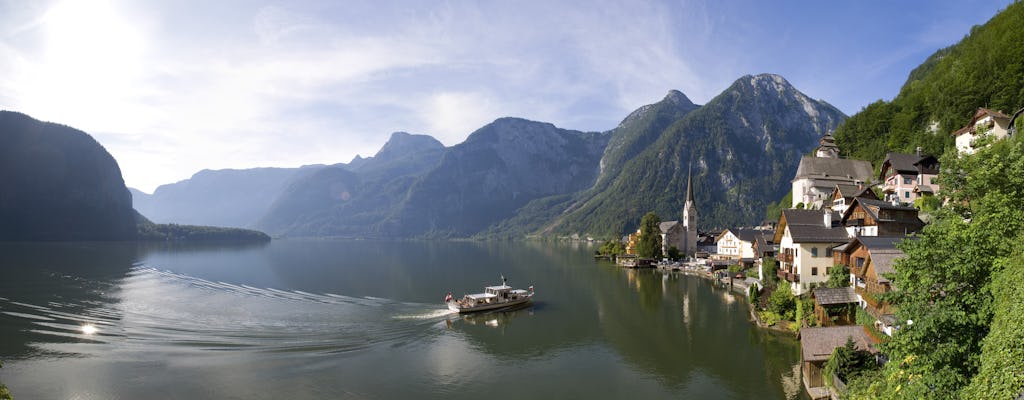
296,319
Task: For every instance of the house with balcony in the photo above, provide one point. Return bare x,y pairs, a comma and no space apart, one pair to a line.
984,122
870,260
835,306
906,177
806,239
867,217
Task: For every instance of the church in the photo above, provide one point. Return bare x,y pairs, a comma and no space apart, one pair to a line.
682,234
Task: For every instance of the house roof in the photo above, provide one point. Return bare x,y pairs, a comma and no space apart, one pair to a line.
816,344
979,114
744,234
841,169
883,262
667,225
872,207
828,296
817,234
900,162
793,217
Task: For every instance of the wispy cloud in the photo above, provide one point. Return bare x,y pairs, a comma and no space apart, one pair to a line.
174,87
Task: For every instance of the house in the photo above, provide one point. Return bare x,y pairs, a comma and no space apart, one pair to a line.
706,245
806,239
816,346
835,306
867,217
817,175
843,195
632,241
906,177
738,245
984,121
870,259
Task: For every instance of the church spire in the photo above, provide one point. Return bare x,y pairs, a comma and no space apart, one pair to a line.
689,184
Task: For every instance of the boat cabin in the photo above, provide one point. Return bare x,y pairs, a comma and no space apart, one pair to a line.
496,294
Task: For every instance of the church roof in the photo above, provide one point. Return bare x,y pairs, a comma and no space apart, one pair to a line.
840,169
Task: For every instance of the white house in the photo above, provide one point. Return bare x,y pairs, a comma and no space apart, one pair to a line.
806,239
994,123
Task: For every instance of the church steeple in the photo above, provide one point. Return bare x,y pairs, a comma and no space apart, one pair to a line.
689,185
689,239
690,207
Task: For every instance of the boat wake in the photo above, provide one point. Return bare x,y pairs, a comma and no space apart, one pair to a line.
152,310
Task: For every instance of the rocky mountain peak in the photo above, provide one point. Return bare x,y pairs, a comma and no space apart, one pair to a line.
403,143
677,98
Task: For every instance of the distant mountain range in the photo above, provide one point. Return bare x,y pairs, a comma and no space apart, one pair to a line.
58,184
515,177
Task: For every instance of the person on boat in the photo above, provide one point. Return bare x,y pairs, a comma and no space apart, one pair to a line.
448,297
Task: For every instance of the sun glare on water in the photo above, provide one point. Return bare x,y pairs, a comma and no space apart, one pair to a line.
89,329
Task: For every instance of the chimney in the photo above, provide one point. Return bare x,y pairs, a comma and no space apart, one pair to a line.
828,218
918,151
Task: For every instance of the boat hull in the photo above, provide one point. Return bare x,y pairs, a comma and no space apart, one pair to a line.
454,306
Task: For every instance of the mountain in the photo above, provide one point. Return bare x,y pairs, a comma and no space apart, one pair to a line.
498,169
353,199
228,197
57,183
985,69
744,146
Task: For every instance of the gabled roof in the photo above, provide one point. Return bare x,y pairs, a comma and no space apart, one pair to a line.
744,234
979,114
667,225
836,168
827,296
792,217
873,207
816,344
900,162
817,234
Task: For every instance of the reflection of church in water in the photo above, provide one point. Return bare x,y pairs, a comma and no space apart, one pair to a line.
682,234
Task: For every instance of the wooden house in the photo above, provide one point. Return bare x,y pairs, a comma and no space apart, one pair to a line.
867,217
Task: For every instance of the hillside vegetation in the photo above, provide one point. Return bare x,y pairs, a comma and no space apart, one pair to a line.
986,69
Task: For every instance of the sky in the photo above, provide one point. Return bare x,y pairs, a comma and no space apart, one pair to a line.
173,87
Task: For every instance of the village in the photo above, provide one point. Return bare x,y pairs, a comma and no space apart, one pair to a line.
822,270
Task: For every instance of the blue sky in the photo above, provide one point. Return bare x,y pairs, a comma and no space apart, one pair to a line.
170,88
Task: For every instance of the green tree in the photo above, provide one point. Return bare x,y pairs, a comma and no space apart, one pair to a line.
649,245
612,248
947,280
838,276
674,253
783,303
847,361
770,268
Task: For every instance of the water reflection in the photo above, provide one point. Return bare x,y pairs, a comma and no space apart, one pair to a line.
334,319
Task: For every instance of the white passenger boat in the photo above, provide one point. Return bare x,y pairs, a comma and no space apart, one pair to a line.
493,298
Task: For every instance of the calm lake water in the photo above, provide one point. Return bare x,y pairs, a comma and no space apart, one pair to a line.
364,320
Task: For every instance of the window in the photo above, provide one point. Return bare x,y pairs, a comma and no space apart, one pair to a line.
814,271
907,181
814,251
828,252
860,262
906,194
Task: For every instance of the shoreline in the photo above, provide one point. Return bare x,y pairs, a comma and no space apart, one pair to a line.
736,289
